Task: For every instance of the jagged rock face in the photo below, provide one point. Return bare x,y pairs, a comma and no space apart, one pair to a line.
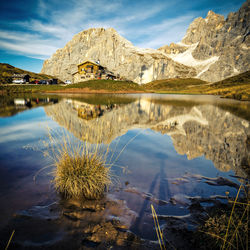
173,49
115,53
223,44
195,130
212,49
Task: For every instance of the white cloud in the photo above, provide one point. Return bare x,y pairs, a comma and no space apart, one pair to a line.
30,45
54,27
157,35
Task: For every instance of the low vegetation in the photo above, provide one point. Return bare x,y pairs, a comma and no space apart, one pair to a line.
174,84
108,85
237,87
81,175
227,228
81,169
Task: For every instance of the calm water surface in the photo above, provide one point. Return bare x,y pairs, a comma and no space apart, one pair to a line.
175,147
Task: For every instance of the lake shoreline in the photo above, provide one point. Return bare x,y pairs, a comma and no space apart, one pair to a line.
95,91
104,91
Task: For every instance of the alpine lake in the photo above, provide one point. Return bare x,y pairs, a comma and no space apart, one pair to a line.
179,155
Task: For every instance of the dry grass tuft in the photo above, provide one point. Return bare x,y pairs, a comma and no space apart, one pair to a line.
82,175
82,169
229,230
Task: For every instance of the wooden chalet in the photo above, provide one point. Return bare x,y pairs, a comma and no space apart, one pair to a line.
88,70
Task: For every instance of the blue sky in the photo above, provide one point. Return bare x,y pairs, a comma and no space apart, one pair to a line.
32,30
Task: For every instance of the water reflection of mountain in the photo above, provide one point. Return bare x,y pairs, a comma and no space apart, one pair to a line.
196,130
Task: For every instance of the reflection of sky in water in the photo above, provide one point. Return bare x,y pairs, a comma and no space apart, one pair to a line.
20,159
152,161
153,167
152,154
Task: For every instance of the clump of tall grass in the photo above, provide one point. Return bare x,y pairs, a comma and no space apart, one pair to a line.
82,170
81,174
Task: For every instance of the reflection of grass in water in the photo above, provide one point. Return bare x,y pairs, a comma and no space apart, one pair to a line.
105,99
230,229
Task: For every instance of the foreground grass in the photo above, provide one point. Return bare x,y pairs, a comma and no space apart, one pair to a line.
81,175
82,170
228,228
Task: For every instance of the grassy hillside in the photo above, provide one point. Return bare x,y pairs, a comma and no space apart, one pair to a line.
84,87
174,84
108,85
7,71
236,87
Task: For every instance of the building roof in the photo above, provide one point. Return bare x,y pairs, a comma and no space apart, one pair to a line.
20,75
98,64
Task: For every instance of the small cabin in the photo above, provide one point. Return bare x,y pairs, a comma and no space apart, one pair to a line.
89,70
90,67
21,78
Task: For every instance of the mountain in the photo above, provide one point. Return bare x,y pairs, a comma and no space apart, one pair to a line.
212,49
117,54
217,48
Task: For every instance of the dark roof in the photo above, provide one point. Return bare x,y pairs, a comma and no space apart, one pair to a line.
20,75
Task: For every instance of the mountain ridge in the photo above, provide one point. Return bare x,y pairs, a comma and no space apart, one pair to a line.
212,49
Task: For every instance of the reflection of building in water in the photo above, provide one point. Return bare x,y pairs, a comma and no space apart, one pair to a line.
90,111
29,102
10,106
195,130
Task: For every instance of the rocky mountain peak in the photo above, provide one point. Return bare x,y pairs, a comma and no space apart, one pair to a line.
117,54
212,49
219,48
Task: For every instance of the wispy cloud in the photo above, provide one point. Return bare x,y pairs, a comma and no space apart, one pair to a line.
51,25
169,30
28,44
41,37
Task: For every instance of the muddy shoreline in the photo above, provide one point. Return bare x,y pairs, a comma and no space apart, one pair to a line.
107,223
